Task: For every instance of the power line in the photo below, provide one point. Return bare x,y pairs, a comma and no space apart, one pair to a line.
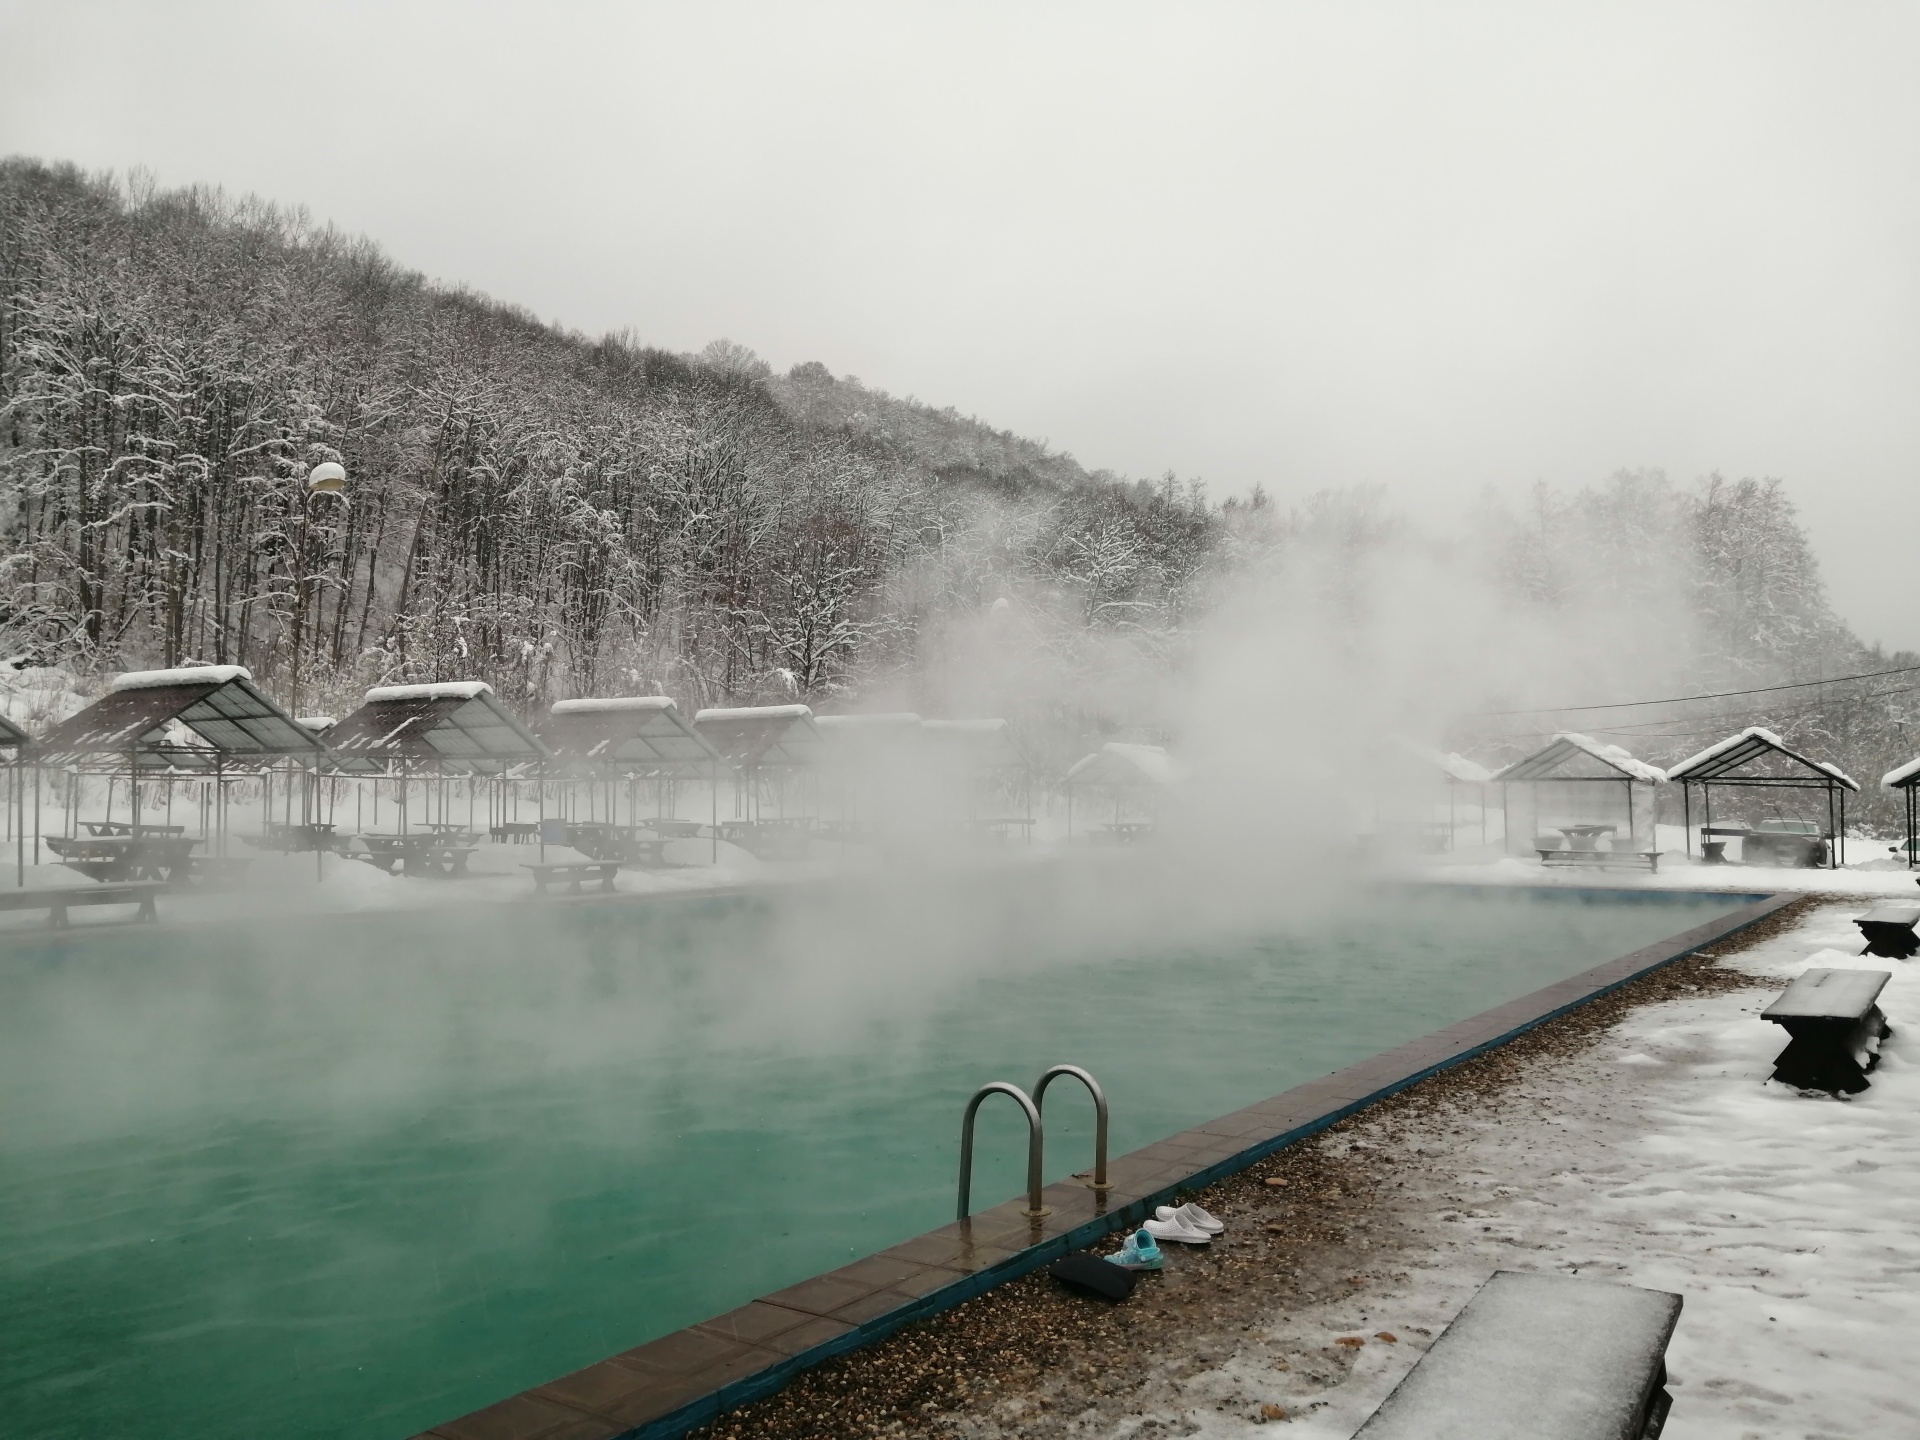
1714,695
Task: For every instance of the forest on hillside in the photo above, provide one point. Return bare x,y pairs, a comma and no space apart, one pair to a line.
562,515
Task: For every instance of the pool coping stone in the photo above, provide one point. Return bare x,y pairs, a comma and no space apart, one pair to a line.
680,1381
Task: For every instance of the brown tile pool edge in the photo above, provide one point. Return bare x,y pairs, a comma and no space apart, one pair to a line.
683,1380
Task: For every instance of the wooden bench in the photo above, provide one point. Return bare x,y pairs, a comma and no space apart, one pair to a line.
1540,1357
115,858
57,901
1889,931
574,872
1648,860
1835,1021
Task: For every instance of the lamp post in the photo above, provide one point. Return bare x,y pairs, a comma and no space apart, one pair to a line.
327,478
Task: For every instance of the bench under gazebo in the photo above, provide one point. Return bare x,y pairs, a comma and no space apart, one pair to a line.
200,722
1134,777
1575,792
628,738
766,745
453,729
1760,761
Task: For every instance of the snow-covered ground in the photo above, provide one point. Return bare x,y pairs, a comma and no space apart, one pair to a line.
1661,1156
1871,869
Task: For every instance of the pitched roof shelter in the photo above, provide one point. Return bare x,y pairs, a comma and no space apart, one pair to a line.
1576,762
1118,764
1907,778
194,718
1128,772
638,732
1580,757
455,727
1759,759
757,737
11,735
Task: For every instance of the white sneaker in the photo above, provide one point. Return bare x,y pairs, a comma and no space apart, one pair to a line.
1163,1229
1191,1216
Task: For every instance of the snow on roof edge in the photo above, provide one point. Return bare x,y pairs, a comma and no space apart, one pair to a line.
1904,772
1615,756
181,675
755,712
1759,732
439,690
592,706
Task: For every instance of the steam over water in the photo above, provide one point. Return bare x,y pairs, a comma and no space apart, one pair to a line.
353,1177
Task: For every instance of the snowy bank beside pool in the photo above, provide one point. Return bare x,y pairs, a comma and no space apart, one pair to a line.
1663,1157
1636,1139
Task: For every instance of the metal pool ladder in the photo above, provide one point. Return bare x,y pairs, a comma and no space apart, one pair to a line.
1036,1135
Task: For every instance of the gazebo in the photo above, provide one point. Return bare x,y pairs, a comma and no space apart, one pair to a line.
1421,767
1135,776
764,742
1570,786
984,760
875,767
1907,780
193,722
434,732
1758,759
632,736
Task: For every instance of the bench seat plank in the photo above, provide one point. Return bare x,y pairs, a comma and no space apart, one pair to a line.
1822,994
1537,1357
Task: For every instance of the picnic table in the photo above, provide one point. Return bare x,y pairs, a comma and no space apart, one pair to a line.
122,827
1889,931
1834,1019
624,844
1128,832
1586,837
516,832
421,854
676,829
1540,1357
296,839
118,858
1002,826
574,872
57,900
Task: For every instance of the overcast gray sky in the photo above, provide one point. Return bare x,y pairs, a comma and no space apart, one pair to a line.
1431,246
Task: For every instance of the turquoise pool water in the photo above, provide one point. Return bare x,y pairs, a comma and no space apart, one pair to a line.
354,1177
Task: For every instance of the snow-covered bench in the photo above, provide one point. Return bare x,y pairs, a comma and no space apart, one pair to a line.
1540,1357
56,901
1889,931
1835,1021
574,872
1648,860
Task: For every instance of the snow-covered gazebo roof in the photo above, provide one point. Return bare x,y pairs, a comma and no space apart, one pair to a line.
190,718
1453,766
455,726
982,744
756,736
1757,756
1580,757
895,727
642,732
11,735
1118,764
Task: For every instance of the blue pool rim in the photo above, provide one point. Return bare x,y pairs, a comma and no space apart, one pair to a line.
686,1379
